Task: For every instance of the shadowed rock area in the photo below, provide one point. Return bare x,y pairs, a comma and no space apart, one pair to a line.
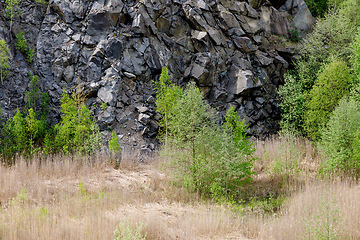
112,50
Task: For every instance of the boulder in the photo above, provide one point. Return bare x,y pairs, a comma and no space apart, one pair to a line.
241,80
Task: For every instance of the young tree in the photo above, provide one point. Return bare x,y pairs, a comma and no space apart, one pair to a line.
4,60
292,105
114,145
76,132
12,10
333,83
340,140
115,148
166,96
208,158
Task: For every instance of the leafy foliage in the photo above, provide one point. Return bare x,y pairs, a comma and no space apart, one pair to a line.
12,10
23,134
333,83
340,140
292,105
4,60
166,96
22,46
76,132
124,231
233,155
330,39
114,145
210,159
355,57
318,8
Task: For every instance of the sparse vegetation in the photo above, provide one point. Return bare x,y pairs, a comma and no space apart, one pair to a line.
76,132
22,45
207,158
4,60
12,10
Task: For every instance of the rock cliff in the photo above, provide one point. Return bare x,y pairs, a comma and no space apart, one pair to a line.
111,50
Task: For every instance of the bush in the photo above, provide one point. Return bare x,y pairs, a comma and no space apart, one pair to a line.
232,154
76,132
210,159
166,97
23,134
318,8
292,105
4,60
114,145
340,139
124,231
12,10
355,57
330,39
333,83
22,46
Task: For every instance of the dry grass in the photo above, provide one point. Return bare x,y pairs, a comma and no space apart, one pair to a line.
328,210
74,198
77,198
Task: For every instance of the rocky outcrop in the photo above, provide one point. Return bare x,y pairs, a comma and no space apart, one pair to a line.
112,50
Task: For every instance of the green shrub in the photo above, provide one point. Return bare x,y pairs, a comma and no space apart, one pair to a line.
23,134
211,159
15,134
33,95
166,97
340,140
292,105
114,145
232,157
333,83
22,46
12,10
41,2
318,8
330,39
103,106
124,231
355,57
76,132
4,60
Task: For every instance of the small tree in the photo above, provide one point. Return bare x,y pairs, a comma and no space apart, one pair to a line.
208,158
333,83
292,105
22,45
114,145
115,148
340,138
166,96
76,132
355,57
233,155
4,60
12,10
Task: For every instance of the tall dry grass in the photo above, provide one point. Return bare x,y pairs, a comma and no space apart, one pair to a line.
77,198
326,210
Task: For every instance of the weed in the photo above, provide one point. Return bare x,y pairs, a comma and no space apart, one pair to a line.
124,232
103,106
22,46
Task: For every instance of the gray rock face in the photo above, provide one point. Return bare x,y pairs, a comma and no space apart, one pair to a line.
113,50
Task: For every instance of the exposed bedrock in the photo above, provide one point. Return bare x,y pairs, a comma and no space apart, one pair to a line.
112,50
